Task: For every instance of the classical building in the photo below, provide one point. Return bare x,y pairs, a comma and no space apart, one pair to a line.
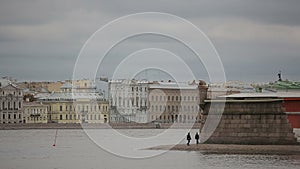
175,102
128,101
35,112
11,103
76,104
165,102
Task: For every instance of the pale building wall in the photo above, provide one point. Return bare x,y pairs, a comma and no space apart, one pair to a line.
35,113
11,104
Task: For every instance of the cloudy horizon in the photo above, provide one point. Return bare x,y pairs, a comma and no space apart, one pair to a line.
40,40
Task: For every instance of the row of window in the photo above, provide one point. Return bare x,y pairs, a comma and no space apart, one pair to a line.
11,105
173,108
78,117
123,102
36,118
174,98
35,111
175,118
14,93
82,108
11,116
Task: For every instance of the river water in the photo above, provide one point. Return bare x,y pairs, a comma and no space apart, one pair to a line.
33,149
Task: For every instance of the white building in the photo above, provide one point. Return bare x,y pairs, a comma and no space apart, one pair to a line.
11,103
128,101
35,112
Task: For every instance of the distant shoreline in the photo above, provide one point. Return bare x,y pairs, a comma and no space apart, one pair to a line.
234,149
93,126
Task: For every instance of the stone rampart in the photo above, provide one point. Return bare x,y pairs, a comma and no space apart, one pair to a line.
248,122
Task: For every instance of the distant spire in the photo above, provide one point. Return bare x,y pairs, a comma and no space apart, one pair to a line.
279,76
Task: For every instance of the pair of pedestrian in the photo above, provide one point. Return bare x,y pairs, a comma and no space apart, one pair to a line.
189,138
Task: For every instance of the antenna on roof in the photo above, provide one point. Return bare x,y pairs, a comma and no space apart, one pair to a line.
279,76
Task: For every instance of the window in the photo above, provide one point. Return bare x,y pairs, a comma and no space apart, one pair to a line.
8,116
15,116
66,108
20,105
60,108
60,117
3,116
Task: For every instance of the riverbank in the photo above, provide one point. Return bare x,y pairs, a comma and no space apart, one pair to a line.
22,126
234,149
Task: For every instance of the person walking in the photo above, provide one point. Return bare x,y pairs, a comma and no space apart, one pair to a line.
197,138
188,137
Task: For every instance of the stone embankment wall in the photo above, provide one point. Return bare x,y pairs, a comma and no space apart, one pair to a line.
249,122
99,126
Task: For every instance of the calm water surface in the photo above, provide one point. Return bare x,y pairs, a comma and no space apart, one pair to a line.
32,149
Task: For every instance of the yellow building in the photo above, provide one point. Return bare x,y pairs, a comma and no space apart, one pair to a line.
79,106
35,112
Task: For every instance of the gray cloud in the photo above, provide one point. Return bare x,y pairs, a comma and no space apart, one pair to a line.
255,39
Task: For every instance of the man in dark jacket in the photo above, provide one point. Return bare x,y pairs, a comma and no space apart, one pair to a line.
188,137
197,138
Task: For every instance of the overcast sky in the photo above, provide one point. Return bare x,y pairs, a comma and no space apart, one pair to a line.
40,40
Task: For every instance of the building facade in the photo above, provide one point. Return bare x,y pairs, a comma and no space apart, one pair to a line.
35,112
174,102
128,101
11,103
76,105
165,102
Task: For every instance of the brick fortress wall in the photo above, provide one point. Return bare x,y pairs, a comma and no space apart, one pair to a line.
249,122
